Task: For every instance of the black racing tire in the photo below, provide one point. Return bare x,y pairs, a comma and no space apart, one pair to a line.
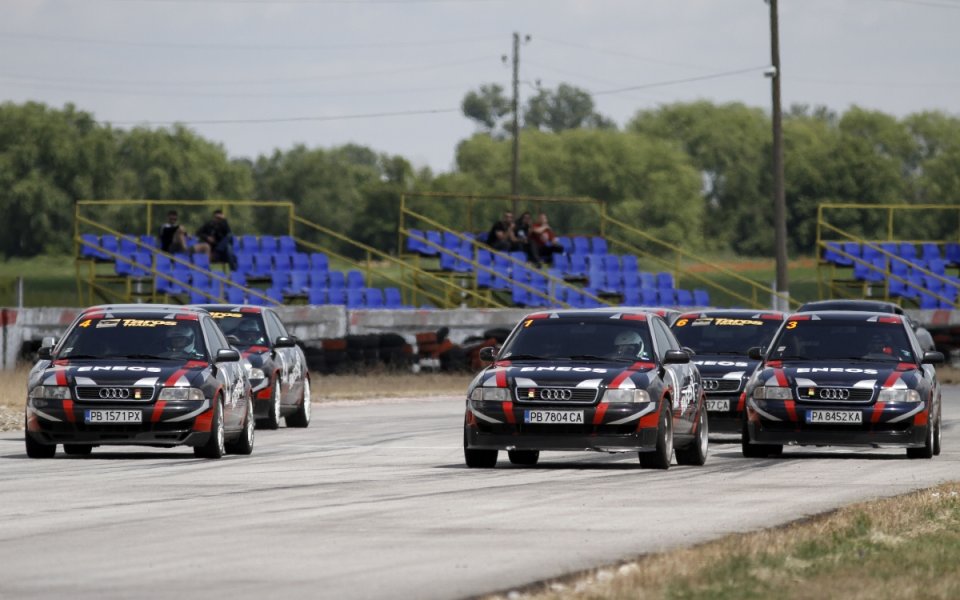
301,418
272,420
243,444
524,457
936,438
695,453
478,459
37,450
757,450
928,444
662,456
215,447
77,449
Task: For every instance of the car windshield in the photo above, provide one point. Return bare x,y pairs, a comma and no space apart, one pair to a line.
139,337
832,339
580,339
246,327
724,335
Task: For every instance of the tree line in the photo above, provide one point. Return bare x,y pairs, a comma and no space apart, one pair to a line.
695,174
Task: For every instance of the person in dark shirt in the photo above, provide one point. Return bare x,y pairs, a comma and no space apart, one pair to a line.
173,237
216,232
502,236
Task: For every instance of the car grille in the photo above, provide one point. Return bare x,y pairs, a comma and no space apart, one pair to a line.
838,395
557,395
720,386
115,393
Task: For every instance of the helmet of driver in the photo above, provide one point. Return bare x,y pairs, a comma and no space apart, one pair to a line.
181,339
248,332
628,344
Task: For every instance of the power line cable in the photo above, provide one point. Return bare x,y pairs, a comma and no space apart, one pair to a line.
402,113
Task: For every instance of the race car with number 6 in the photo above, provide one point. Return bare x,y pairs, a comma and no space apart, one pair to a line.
140,374
721,339
844,378
609,380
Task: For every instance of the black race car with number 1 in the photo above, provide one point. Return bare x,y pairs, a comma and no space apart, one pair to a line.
277,367
721,339
609,380
139,374
844,379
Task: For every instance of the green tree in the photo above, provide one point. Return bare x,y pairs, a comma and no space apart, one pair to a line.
568,107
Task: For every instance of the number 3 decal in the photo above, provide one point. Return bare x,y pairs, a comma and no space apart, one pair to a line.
792,324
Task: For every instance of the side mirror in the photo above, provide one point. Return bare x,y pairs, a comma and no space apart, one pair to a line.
284,342
933,358
690,351
488,353
756,353
228,356
48,341
676,357
45,353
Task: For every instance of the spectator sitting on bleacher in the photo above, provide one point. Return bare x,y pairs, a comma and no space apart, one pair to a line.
543,240
522,230
216,232
502,236
173,237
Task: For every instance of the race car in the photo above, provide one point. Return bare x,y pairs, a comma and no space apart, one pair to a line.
721,339
923,335
139,374
843,378
608,380
277,367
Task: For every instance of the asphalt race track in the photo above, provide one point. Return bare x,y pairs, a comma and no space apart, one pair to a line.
374,501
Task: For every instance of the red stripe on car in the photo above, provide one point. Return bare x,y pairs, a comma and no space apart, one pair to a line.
508,412
501,379
877,412
634,317
781,377
742,401
157,411
922,418
61,377
892,379
600,412
68,410
791,407
889,320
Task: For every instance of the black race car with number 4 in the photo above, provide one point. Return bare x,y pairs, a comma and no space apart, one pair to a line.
609,380
721,339
844,378
277,367
139,374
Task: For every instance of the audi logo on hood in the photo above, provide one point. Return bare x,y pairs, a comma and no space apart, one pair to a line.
554,394
834,393
114,393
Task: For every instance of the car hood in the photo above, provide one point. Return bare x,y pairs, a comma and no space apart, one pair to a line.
257,355
724,366
120,372
840,373
572,374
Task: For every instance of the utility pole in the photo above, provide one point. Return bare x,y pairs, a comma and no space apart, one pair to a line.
516,120
779,195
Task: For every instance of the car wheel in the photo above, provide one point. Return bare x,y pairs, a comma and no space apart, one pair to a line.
272,421
301,418
696,452
927,450
215,447
478,459
77,449
37,450
663,455
757,450
524,457
936,438
244,442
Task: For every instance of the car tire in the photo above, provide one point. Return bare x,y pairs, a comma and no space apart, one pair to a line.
663,455
928,444
77,449
478,459
215,447
301,418
695,453
272,420
757,450
936,438
524,457
244,442
37,450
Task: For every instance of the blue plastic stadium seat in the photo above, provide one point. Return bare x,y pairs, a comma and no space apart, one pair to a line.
435,239
234,294
110,244
91,249
355,280
280,279
578,266
415,243
951,252
870,252
598,245
268,244
318,279
930,251
684,297
647,280
355,299
628,263
249,243
336,280
665,280
392,298
336,296
262,265
667,296
373,297
317,295
581,245
299,283
873,272
245,261
128,245
908,251
282,261
301,261
286,244
319,262
148,241
648,296
200,259
701,297
566,243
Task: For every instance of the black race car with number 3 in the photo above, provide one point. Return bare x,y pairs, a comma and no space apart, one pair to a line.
609,380
844,378
721,339
277,366
139,374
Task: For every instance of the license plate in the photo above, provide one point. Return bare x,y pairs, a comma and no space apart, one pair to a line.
834,416
114,416
559,417
718,405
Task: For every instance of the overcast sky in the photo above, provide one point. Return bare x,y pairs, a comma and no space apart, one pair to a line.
260,75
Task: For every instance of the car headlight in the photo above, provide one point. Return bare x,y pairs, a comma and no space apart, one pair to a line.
898,396
490,394
765,392
626,396
180,393
253,373
51,392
